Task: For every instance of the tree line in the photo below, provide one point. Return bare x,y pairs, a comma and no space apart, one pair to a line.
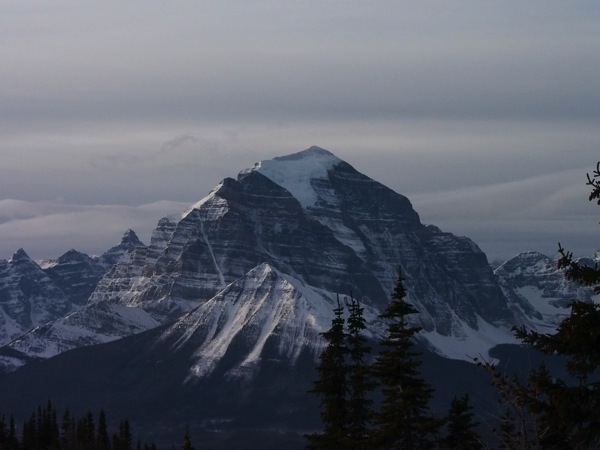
45,431
541,411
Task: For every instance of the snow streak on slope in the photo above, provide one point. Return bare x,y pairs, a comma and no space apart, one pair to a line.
263,306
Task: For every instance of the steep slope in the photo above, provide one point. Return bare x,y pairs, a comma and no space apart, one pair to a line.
146,378
94,324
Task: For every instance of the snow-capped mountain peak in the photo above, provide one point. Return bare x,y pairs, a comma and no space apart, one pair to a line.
311,226
297,172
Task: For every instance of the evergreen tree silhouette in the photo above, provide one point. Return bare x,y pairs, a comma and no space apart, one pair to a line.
404,420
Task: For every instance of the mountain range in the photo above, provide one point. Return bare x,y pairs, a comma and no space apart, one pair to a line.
225,306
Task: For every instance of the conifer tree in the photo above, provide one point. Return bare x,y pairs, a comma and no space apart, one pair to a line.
404,420
86,430
47,427
3,431
29,437
187,442
507,432
68,437
360,383
122,440
580,273
460,433
331,387
102,438
570,412
12,443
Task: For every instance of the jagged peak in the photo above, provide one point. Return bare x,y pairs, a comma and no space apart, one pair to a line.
129,238
20,255
72,255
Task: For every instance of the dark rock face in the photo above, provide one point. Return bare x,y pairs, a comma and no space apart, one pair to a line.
77,274
445,274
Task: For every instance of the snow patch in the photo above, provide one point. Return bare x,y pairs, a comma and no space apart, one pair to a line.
472,343
295,172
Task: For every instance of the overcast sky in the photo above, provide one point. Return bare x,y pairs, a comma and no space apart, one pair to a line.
114,114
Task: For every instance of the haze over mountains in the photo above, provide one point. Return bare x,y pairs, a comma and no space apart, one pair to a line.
239,287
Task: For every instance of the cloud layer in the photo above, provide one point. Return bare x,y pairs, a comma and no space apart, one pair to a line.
46,230
461,105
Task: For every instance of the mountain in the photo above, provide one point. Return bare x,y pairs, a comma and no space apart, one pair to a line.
314,218
36,299
218,320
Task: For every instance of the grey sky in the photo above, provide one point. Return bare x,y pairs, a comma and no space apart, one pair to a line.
112,114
